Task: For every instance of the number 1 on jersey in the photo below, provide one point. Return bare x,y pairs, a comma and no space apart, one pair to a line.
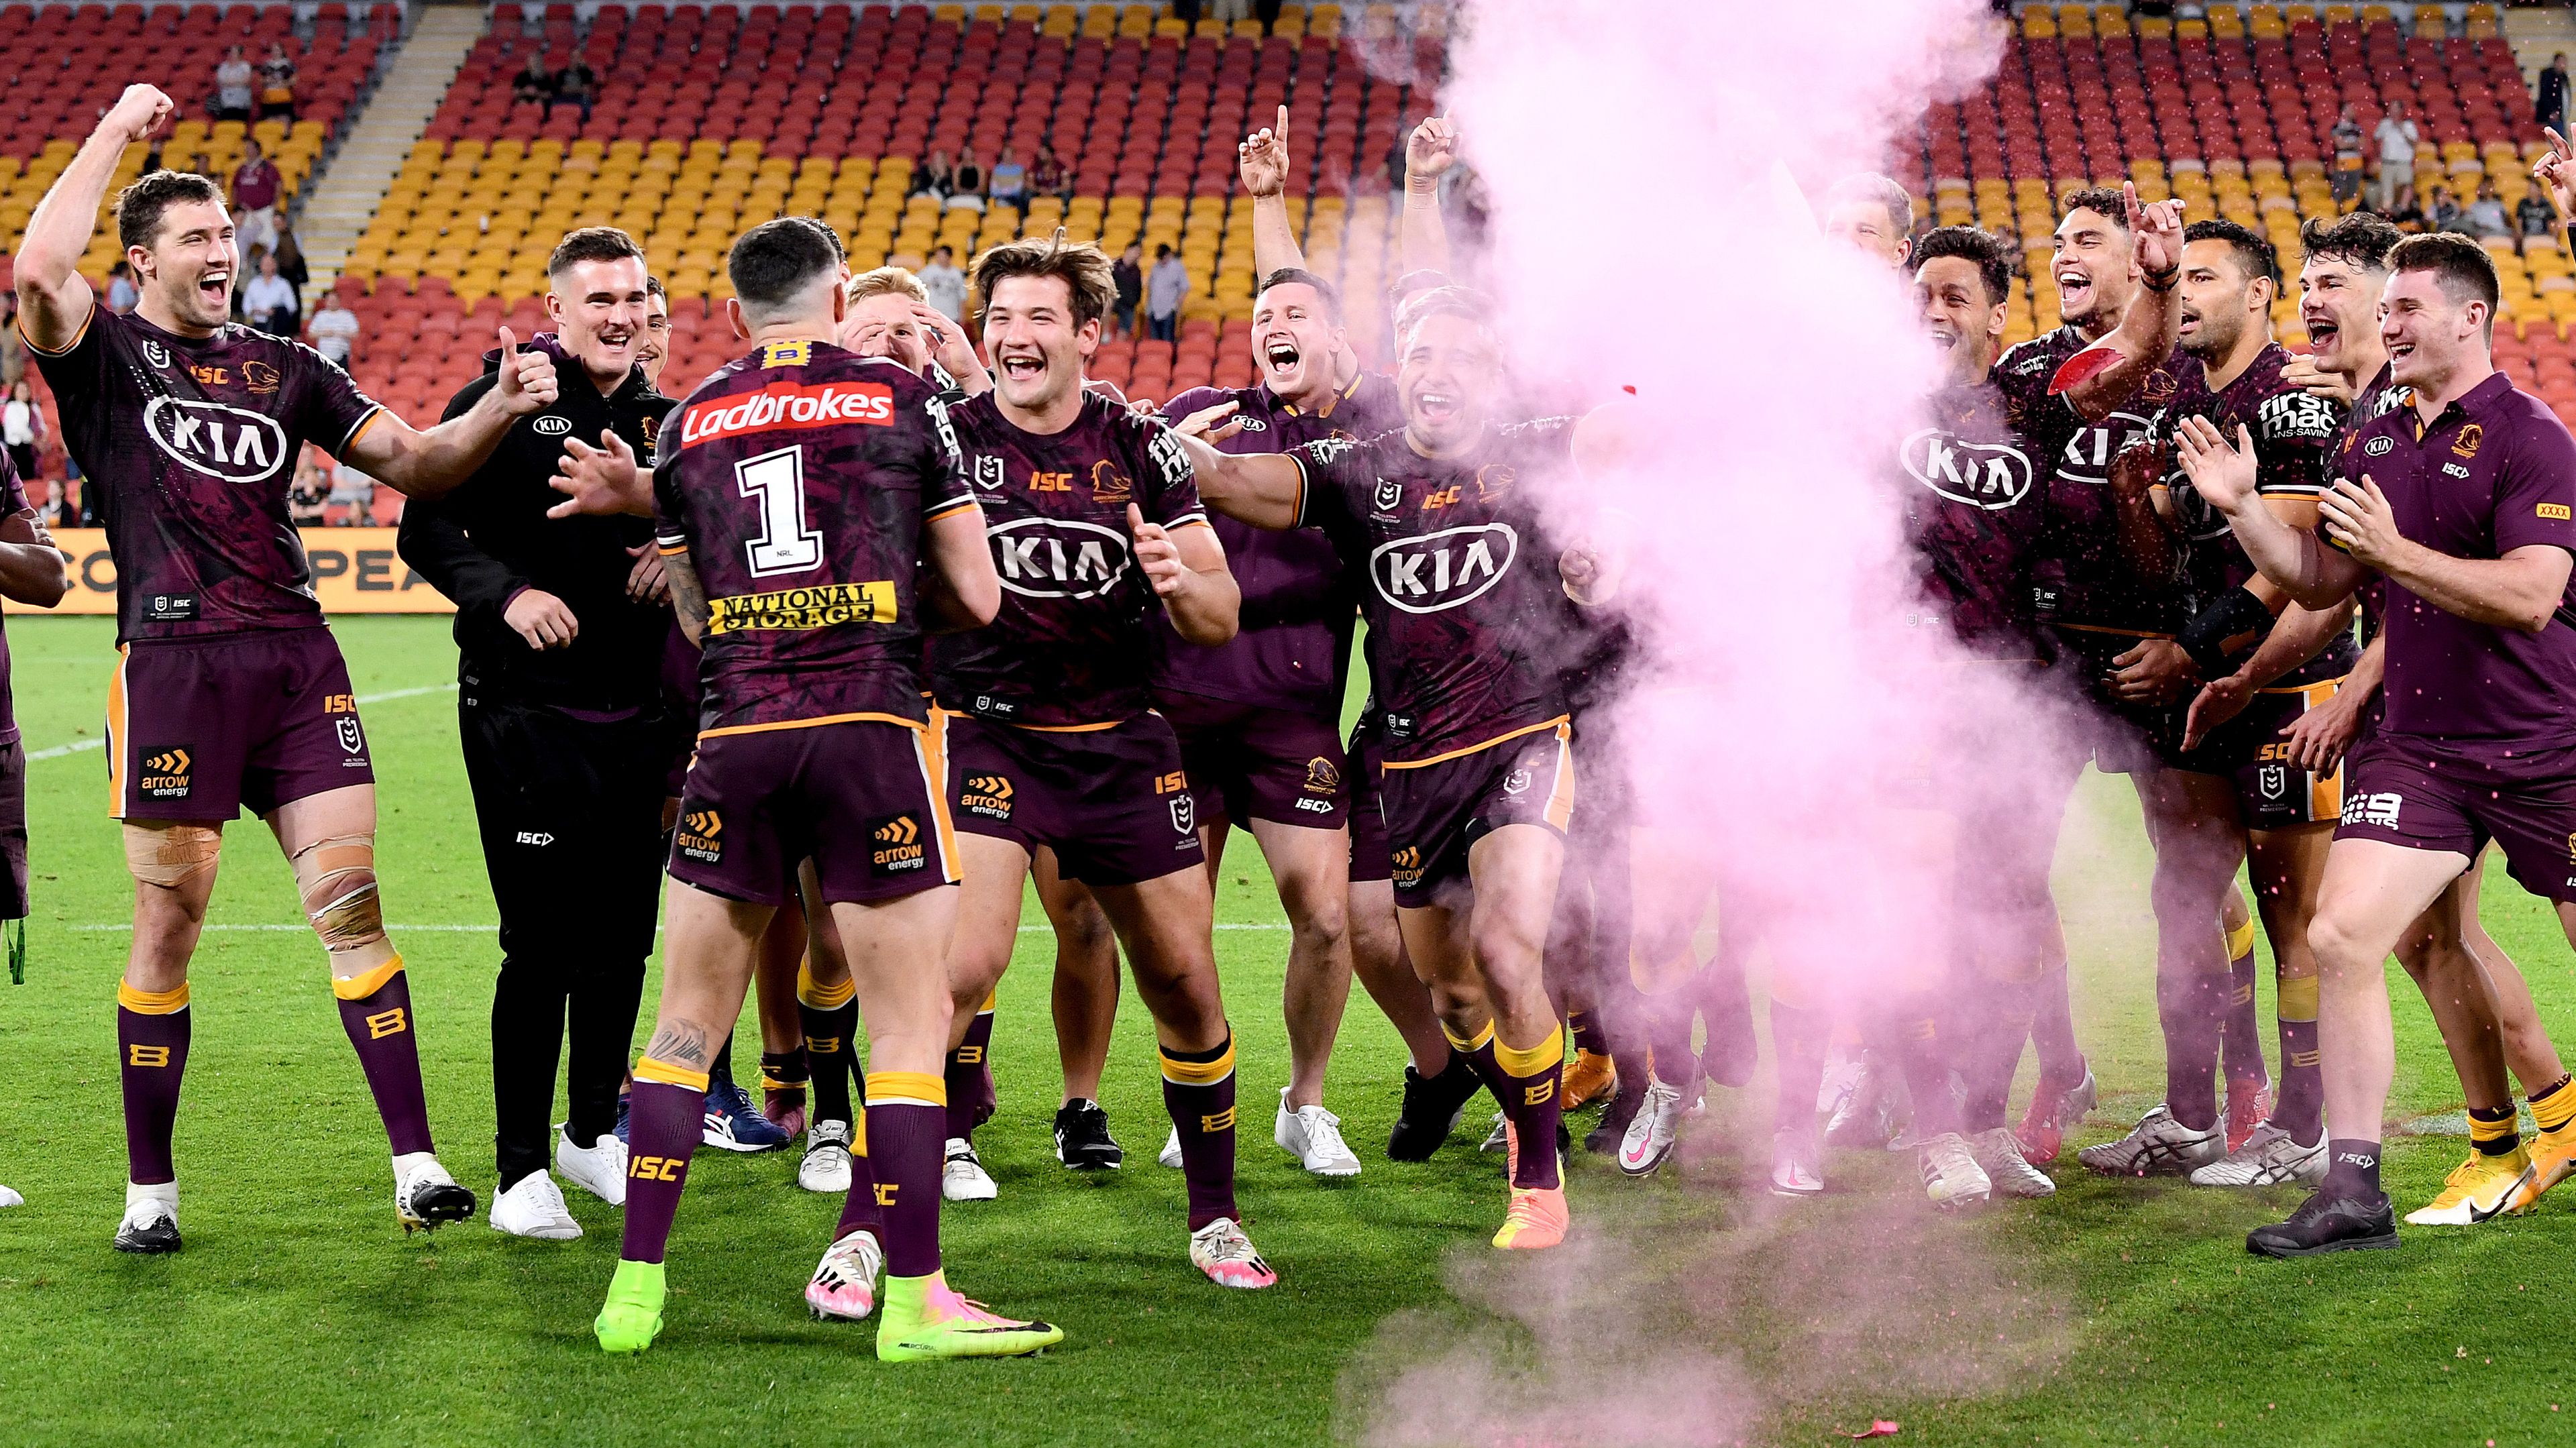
776,481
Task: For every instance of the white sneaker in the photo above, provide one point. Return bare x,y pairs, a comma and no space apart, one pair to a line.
1857,1111
2008,1173
1227,1256
1170,1155
844,1285
534,1207
1796,1167
1498,1138
1313,1136
9,1198
2268,1158
1951,1176
1653,1130
1841,1081
2158,1146
962,1177
426,1198
599,1168
826,1167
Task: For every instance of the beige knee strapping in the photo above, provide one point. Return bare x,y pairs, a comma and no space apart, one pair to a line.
171,855
337,878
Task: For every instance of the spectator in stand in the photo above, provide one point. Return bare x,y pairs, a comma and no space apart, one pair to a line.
533,85
22,428
966,188
335,329
945,284
2551,91
2537,216
51,506
13,348
290,255
1128,275
934,177
2349,165
1165,290
2485,216
277,84
121,295
255,187
575,85
2404,212
233,87
1010,183
2443,213
310,494
2397,137
1048,175
269,302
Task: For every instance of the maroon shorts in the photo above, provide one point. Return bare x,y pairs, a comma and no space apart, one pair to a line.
1246,762
1364,765
2272,791
200,729
860,798
1437,810
2121,737
2402,793
1114,804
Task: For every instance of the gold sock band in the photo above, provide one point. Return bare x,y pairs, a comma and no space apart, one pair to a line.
153,1002
1482,1037
906,1088
823,997
663,1073
2240,941
2554,1106
1199,1073
2481,1129
359,987
1532,1060
2297,1000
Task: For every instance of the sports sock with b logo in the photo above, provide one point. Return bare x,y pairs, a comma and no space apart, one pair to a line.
665,1115
1526,1082
2301,1107
967,1072
152,1030
1198,1091
2242,1034
2192,1006
907,1121
375,1009
830,1014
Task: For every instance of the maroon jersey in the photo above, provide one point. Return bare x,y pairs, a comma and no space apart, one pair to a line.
1469,631
2294,434
2494,472
798,480
2079,576
1074,644
13,501
1972,510
1298,605
192,443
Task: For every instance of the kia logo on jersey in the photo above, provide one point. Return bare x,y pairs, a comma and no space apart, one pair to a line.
230,443
1987,475
1445,569
2087,455
550,425
784,405
1058,557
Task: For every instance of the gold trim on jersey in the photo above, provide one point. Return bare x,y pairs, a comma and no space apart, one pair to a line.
955,507
67,348
1559,720
359,430
858,718
820,606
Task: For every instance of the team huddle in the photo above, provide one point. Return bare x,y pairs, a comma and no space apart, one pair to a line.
866,634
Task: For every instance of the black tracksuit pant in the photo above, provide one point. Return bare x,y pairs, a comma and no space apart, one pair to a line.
571,816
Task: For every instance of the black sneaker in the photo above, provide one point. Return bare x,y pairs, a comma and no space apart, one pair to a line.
2328,1224
1604,1138
1082,1140
154,1234
1431,1111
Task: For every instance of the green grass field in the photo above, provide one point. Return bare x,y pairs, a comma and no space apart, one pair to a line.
2116,1313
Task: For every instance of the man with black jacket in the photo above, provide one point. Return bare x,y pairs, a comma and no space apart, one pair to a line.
566,744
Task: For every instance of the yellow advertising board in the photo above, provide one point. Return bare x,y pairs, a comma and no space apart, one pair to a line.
355,570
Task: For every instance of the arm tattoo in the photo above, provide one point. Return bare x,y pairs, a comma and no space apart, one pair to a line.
688,596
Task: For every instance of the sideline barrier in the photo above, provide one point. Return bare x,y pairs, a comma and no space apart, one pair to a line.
355,570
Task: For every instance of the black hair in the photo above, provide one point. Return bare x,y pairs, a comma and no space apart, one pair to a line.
2466,272
2256,255
2109,202
1299,276
2363,239
1987,251
139,206
775,260
591,243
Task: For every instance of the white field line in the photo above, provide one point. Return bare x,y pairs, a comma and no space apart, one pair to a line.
83,746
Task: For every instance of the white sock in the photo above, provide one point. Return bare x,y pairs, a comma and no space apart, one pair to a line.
163,1195
410,1162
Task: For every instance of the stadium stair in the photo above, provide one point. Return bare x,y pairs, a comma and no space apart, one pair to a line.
336,211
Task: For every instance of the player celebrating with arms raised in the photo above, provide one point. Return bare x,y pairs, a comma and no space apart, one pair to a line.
230,691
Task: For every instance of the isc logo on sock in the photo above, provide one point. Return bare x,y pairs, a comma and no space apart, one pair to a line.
147,1055
657,1168
1222,1121
387,1023
1537,1095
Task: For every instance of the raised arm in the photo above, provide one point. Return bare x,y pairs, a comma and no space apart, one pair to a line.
1428,154
53,298
2303,568
426,464
2145,336
1266,490
963,592
1261,162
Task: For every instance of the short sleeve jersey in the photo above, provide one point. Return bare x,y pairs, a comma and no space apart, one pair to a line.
192,443
1469,631
798,480
1298,605
13,501
2078,575
2494,472
1074,643
1973,509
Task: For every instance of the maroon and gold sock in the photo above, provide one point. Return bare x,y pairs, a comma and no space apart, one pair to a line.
375,1009
665,1115
1525,1081
907,1120
152,1030
1580,1025
2243,1033
966,1070
2192,1006
1798,1056
830,1015
2300,1109
2493,1131
1198,1091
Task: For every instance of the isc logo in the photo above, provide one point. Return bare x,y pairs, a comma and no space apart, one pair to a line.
1980,474
1445,569
1058,557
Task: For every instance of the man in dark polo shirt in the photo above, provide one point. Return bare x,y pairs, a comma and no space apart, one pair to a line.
2465,503
565,741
